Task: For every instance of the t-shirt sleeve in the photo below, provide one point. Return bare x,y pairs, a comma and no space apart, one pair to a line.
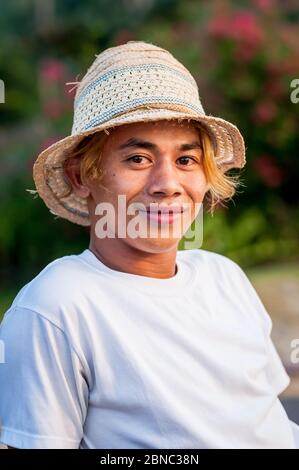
295,431
43,389
275,371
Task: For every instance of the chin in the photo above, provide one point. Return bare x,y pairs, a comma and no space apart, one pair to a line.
156,245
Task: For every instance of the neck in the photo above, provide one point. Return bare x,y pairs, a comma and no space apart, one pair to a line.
120,256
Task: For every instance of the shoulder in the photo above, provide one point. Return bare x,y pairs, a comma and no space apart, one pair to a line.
55,289
210,260
229,280
218,271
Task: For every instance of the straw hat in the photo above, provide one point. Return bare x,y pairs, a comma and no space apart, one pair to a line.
133,82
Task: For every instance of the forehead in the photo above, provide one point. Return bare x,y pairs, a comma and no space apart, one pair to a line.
155,131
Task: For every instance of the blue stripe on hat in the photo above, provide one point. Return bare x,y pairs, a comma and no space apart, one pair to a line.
133,68
129,105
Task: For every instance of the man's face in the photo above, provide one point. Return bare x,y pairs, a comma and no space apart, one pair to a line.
149,166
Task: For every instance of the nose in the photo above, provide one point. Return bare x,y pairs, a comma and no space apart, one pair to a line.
164,180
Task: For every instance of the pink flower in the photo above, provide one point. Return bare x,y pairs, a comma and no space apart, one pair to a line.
52,70
264,112
264,4
242,27
245,28
268,170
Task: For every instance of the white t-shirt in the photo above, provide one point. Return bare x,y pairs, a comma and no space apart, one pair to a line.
98,358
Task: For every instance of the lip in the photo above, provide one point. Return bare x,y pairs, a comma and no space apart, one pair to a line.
164,215
165,210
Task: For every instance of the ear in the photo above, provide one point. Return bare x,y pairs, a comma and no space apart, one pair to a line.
72,172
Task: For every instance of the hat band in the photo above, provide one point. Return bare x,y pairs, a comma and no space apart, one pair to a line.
119,73
162,102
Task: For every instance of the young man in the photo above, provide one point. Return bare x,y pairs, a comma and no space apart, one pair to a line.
132,343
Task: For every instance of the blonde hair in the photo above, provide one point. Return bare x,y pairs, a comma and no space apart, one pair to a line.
222,187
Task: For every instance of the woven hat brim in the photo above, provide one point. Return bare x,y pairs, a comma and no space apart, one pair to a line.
50,181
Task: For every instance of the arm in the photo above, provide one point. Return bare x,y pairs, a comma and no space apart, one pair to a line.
44,393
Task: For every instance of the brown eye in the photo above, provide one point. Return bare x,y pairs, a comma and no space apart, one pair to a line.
136,157
187,158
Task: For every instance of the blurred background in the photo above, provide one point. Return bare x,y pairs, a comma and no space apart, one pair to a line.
244,56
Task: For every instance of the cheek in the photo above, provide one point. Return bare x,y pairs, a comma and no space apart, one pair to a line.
197,185
116,182
125,182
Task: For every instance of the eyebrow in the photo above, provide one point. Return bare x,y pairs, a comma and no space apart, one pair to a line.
133,142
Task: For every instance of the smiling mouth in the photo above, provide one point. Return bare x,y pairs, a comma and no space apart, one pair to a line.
163,216
164,212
